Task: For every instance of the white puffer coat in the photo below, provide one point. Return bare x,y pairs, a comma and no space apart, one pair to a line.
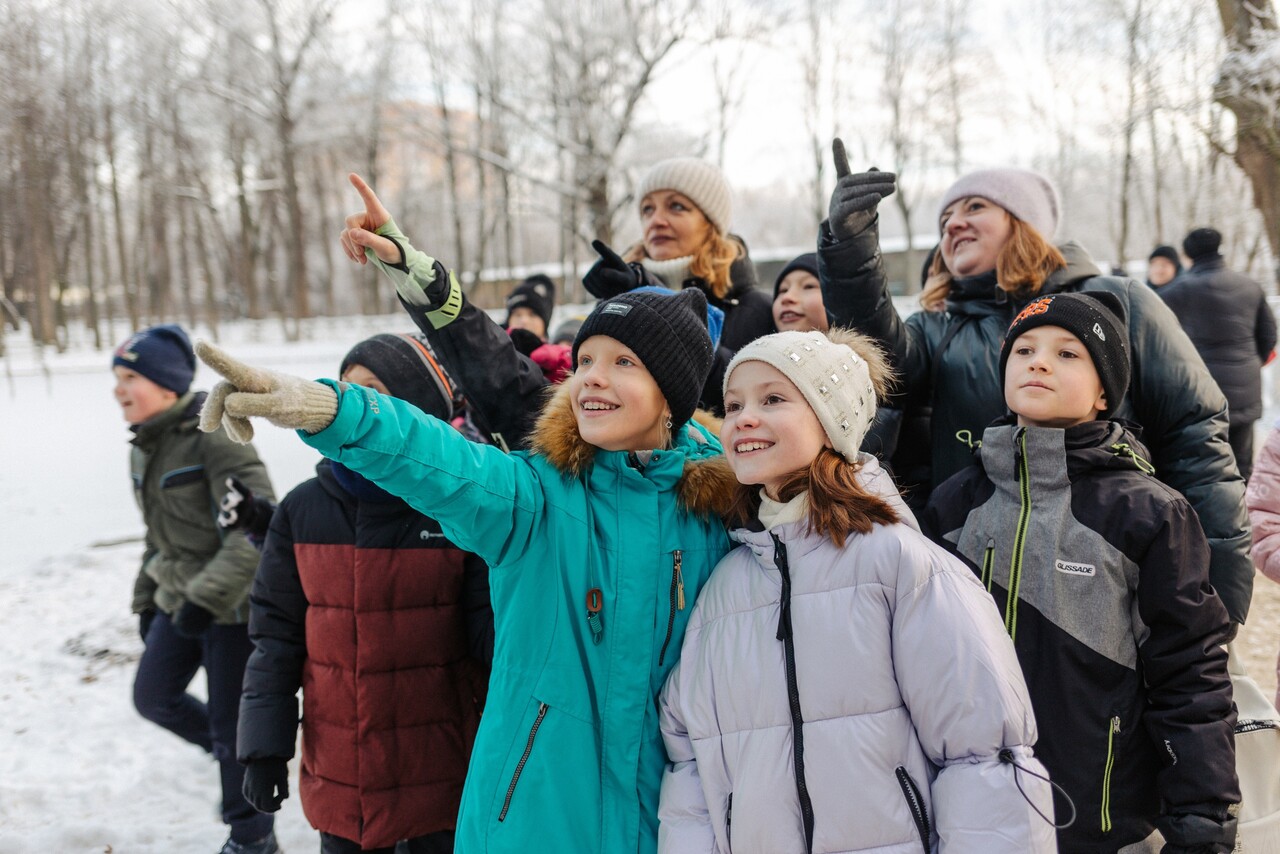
903,695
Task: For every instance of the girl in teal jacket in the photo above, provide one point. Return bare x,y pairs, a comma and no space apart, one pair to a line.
598,539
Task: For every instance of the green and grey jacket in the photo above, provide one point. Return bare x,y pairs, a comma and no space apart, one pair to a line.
1101,573
179,476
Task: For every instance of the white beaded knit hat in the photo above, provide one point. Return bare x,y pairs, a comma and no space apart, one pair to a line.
834,379
701,181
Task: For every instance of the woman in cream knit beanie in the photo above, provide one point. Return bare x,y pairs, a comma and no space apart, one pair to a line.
685,210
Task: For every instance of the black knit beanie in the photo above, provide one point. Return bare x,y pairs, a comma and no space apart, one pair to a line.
1168,253
410,370
807,262
668,333
1097,318
1202,243
537,293
162,354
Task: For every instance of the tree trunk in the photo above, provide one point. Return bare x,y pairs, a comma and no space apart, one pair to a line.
1250,26
117,208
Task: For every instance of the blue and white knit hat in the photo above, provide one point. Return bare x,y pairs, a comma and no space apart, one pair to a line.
162,354
834,379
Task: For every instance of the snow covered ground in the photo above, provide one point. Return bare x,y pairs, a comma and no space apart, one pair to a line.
80,772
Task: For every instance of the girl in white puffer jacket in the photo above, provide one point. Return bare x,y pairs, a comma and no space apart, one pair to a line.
844,684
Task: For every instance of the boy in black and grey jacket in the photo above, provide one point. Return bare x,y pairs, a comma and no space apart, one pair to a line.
1101,572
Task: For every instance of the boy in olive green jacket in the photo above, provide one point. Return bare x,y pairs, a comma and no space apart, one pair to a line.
191,593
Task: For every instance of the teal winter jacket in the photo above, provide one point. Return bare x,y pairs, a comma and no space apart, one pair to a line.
569,757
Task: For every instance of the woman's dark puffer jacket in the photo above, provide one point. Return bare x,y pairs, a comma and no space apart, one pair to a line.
1171,394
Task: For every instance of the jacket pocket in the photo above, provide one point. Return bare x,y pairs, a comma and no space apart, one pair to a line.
915,803
181,477
1113,729
524,758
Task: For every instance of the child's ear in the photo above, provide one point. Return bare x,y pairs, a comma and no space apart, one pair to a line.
1101,403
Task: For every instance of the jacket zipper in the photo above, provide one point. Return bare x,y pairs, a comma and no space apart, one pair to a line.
1112,731
988,558
915,803
728,822
677,600
793,690
1020,539
528,748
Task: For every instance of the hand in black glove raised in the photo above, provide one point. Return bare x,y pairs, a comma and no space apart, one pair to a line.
191,621
266,783
611,276
854,200
145,618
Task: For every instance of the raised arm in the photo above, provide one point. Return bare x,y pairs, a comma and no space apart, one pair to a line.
486,501
505,388
855,289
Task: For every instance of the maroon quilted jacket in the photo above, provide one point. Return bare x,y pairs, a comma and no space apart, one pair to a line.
384,625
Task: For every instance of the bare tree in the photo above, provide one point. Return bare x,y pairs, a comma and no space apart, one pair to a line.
1247,86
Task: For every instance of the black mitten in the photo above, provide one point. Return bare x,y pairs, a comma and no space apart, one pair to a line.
525,341
192,621
145,619
266,783
611,276
854,200
241,510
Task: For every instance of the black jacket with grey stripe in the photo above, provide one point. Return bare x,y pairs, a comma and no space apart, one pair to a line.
1116,626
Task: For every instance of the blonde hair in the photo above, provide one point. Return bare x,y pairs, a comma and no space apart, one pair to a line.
711,261
1024,264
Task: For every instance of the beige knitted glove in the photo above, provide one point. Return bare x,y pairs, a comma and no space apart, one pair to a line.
284,400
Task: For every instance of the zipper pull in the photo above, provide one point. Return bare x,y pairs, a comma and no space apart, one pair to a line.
1115,724
595,604
679,571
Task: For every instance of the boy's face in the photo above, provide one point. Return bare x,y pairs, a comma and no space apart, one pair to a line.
526,318
140,398
1050,380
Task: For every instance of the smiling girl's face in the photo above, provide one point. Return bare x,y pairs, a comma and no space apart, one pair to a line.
769,431
616,401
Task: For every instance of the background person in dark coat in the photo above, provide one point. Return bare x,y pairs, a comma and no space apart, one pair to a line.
1226,315
386,626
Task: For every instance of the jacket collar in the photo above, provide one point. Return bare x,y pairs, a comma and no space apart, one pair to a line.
1055,456
695,465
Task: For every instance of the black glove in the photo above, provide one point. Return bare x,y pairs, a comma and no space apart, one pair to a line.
525,341
266,783
611,276
192,621
145,618
854,200
1198,829
240,509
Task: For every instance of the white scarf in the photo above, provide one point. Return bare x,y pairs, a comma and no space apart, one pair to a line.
775,513
673,271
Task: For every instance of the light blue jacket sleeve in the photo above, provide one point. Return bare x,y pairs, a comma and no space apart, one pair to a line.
486,501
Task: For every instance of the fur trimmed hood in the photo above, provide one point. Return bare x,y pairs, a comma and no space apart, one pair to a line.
706,484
